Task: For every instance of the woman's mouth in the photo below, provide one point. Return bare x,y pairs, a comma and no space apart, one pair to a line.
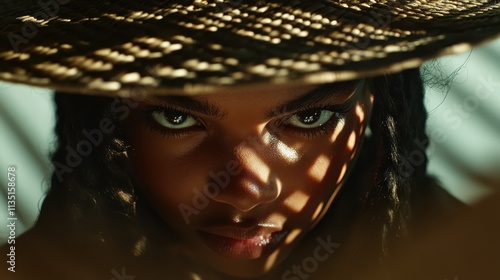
242,243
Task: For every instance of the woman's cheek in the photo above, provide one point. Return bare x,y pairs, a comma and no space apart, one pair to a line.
166,182
337,152
311,180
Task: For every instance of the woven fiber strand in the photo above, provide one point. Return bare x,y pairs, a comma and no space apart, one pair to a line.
162,47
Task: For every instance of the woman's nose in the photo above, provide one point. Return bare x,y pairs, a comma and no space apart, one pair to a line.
251,182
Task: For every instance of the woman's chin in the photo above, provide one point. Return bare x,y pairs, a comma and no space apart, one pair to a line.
243,267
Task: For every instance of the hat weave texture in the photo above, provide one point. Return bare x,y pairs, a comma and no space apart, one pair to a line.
126,47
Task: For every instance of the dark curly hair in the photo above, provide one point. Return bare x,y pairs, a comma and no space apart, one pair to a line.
93,192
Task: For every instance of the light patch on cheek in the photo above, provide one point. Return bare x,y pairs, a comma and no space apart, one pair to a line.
342,172
317,212
353,154
287,153
337,131
351,141
266,138
284,151
292,235
296,201
361,116
319,168
360,113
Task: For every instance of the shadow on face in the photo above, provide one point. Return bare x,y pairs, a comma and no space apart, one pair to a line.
242,176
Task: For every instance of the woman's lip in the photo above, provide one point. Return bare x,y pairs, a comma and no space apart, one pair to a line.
241,233
242,243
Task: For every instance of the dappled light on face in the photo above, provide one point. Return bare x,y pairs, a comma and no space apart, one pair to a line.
251,187
337,131
287,153
319,168
317,212
297,201
353,154
251,174
271,260
283,150
254,164
351,141
292,235
342,172
361,116
360,113
267,138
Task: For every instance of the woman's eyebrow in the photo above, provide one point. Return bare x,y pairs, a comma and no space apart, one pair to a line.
314,97
193,105
311,98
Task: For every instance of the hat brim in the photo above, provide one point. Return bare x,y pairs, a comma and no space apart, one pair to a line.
127,48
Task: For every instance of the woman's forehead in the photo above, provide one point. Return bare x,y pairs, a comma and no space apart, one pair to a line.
270,95
287,90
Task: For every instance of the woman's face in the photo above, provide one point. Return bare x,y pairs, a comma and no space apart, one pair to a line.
242,175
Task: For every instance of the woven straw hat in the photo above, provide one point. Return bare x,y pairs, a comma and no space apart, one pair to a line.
122,47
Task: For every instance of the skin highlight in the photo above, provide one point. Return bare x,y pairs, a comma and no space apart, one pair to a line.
287,176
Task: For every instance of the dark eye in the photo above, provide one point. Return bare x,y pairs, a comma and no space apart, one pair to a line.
174,119
310,118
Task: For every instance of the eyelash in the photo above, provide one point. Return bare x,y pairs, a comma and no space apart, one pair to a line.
163,131
339,111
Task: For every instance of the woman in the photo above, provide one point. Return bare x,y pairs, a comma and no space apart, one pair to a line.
238,140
